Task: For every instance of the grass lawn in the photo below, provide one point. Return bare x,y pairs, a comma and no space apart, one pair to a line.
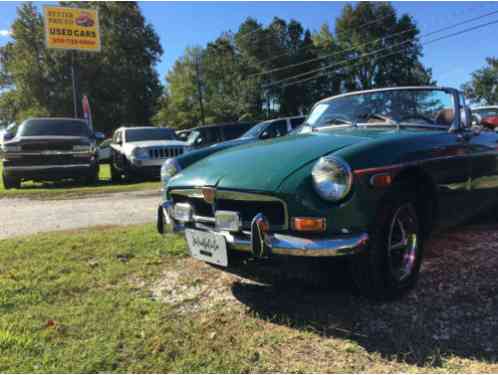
69,189
126,300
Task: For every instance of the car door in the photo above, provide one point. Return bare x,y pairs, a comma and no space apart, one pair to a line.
447,159
118,157
484,165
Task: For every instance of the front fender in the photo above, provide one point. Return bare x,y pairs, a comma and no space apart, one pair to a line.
352,215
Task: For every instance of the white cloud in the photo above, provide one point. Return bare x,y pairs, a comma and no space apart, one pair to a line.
5,32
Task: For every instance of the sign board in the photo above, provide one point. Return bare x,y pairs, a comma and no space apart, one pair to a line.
71,28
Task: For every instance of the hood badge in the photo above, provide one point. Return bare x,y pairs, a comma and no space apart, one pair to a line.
209,194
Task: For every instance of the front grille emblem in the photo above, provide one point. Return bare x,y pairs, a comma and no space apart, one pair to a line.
209,194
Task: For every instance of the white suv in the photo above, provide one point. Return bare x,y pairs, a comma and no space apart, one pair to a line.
141,151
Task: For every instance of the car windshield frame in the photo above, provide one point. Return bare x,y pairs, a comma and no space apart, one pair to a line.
370,108
145,134
54,128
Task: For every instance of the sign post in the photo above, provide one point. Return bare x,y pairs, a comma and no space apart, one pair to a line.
73,29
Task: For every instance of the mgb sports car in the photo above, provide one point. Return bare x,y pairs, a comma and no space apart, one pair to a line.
368,177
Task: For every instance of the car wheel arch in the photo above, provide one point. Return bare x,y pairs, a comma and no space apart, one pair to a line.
420,182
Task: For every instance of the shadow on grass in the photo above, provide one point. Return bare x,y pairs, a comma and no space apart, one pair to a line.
452,311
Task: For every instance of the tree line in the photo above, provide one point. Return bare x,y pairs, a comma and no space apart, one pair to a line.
256,72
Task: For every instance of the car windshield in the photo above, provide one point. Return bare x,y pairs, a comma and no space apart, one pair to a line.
52,127
411,107
149,134
255,130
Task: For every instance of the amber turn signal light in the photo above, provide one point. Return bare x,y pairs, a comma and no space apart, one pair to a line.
381,180
309,224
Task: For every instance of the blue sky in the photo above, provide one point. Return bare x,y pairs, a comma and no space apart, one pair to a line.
184,24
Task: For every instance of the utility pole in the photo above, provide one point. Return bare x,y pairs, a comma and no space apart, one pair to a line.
73,78
199,86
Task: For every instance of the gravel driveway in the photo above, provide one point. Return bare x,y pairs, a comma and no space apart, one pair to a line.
21,216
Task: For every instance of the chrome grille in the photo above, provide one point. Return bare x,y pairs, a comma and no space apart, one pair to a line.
164,152
247,204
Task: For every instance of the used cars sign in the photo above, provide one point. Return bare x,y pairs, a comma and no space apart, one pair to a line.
72,28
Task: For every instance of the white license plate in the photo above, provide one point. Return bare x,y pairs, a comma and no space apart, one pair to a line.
208,247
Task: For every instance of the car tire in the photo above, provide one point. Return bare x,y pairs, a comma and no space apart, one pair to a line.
10,182
115,174
391,264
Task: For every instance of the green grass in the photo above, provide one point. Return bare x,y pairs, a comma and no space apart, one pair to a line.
80,301
70,189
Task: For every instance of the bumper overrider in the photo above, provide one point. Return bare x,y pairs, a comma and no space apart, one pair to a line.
261,242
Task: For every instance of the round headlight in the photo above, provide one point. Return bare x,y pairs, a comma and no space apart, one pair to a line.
169,169
332,178
140,153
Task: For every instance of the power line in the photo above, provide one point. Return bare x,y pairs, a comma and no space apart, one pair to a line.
340,63
396,52
374,41
312,45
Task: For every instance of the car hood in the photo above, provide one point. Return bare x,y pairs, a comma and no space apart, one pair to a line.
156,143
34,143
263,166
195,155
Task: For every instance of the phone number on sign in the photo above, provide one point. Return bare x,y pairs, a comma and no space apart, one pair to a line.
73,41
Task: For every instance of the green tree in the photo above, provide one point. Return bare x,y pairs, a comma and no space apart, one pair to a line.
180,103
363,30
282,69
121,80
483,86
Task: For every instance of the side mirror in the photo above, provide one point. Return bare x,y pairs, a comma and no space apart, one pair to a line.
199,140
264,135
466,117
99,136
7,136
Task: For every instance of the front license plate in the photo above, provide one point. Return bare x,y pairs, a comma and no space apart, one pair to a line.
208,247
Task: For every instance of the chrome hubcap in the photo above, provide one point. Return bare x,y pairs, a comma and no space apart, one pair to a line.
402,242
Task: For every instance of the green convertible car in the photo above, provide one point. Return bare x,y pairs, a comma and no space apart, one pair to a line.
368,177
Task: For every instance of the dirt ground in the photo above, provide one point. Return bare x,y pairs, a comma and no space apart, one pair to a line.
22,216
453,312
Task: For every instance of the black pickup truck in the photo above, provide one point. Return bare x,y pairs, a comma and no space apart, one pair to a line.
45,149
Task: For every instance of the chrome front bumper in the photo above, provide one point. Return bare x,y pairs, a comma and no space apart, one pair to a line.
261,243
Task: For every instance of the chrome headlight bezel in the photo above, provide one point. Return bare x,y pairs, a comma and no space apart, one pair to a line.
170,168
332,178
140,153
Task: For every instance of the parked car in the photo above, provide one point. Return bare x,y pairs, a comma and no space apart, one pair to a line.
51,149
264,130
206,135
140,151
486,116
376,173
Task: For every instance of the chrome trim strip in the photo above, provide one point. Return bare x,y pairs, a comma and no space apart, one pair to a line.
281,244
237,196
43,167
381,169
204,219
